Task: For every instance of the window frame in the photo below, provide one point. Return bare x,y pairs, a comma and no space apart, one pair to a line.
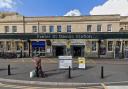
51,28
59,28
14,29
100,28
95,46
69,28
111,45
42,29
90,28
108,28
36,29
5,27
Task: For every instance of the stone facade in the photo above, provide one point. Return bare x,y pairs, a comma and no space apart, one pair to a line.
11,22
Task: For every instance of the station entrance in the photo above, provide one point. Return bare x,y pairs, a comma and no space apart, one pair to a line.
59,50
77,50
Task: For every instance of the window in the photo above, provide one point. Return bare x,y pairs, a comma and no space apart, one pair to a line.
98,28
58,28
126,43
17,45
69,28
110,45
8,45
6,29
93,45
43,28
118,45
1,45
109,28
14,29
34,28
89,28
25,45
51,28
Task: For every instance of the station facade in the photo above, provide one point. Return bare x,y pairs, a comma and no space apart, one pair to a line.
96,36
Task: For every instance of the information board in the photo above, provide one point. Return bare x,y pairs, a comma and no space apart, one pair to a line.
65,62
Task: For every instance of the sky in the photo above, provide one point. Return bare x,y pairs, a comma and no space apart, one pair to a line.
65,7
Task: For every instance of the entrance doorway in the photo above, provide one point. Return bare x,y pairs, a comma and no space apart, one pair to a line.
59,50
77,50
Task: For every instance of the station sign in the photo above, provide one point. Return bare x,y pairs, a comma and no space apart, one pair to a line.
72,35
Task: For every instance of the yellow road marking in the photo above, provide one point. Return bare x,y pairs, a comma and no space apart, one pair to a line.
104,86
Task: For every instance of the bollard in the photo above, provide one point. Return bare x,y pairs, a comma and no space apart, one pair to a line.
102,72
37,72
69,72
9,71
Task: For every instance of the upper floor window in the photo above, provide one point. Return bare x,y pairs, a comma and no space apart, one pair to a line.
51,28
59,28
43,28
14,29
69,28
109,28
6,29
98,28
89,28
34,28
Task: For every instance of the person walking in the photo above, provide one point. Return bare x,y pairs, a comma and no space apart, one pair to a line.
38,68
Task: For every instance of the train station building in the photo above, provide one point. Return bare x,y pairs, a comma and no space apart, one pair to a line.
95,36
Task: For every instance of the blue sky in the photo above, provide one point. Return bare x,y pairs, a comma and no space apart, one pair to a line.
65,7
56,7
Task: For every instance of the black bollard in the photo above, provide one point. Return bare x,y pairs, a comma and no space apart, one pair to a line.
102,72
9,71
37,72
69,72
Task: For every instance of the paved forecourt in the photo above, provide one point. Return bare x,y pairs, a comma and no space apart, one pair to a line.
20,69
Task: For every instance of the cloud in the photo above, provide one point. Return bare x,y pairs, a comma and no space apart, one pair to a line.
74,12
9,4
111,7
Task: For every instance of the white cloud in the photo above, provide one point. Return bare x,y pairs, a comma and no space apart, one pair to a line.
9,4
74,12
111,7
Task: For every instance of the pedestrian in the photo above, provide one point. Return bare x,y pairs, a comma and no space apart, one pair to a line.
38,68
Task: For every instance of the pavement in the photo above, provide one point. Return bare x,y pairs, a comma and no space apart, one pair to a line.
115,71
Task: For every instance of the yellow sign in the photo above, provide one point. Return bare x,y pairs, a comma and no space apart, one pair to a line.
81,60
68,44
21,44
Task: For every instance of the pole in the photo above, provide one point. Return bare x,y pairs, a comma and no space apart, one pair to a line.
99,42
69,72
102,72
37,72
9,71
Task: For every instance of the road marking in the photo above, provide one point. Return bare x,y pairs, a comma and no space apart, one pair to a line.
19,86
104,86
